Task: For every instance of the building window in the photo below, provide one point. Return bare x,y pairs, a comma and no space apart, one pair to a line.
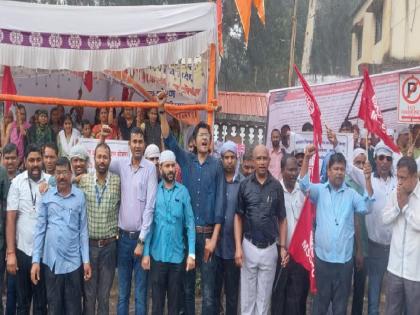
378,25
359,39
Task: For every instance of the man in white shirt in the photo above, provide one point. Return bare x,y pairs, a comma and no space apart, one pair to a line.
23,201
403,213
289,296
379,234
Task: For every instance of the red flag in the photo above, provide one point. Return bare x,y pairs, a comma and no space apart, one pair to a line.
8,86
370,113
124,94
313,108
302,243
88,80
301,246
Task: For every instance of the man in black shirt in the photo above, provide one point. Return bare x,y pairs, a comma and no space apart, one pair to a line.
260,217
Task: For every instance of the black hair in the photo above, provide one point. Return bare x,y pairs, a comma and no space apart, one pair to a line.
50,145
284,160
105,146
9,148
247,156
285,127
307,126
63,161
337,158
274,130
85,122
68,117
32,147
136,131
346,124
409,163
200,125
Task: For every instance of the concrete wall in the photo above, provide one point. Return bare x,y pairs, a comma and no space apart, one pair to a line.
400,34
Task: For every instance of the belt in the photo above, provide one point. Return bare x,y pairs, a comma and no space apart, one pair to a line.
101,243
204,229
261,245
383,246
130,235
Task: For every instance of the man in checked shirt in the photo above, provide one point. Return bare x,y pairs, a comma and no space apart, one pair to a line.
102,192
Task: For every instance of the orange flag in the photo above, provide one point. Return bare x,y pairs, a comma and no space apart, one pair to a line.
259,5
244,10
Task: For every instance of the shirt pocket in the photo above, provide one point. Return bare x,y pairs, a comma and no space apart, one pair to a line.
141,192
177,210
73,218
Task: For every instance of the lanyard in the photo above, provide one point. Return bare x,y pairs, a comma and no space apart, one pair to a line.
99,195
32,196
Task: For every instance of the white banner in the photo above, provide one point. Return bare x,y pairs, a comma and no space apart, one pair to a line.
119,149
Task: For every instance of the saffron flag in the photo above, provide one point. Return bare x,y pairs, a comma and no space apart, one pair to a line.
259,5
8,86
370,113
244,10
302,243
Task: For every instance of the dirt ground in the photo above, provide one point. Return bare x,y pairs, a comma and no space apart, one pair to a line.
114,296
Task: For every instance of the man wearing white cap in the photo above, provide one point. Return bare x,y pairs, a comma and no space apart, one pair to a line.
152,153
164,247
79,159
380,187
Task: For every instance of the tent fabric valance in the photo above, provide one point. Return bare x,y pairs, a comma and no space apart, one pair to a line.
55,37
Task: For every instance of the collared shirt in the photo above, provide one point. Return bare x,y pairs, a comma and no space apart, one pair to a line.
404,255
226,245
23,194
262,206
377,231
138,194
173,215
275,161
293,201
61,233
102,203
334,232
4,188
205,183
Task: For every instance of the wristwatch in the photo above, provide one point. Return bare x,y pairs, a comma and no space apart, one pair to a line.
140,242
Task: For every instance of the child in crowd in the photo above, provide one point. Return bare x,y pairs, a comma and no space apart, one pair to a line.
86,129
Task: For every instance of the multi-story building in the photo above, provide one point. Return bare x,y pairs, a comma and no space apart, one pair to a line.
385,35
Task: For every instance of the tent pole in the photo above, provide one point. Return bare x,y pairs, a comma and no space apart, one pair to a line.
211,86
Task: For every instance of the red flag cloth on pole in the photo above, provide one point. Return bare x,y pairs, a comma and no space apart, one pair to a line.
8,86
302,243
313,108
88,80
370,113
124,94
301,246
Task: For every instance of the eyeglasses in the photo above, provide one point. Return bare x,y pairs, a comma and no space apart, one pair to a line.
382,157
61,173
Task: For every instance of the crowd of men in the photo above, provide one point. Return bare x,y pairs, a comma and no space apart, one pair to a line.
164,212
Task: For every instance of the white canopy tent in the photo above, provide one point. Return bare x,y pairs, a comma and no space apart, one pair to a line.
80,38
68,40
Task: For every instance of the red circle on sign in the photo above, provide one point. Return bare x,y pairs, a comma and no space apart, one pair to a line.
406,97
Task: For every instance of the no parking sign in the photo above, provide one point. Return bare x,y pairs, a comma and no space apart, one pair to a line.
409,105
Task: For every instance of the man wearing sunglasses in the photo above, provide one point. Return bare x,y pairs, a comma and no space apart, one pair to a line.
379,234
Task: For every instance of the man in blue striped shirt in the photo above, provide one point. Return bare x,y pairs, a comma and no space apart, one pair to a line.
334,232
61,242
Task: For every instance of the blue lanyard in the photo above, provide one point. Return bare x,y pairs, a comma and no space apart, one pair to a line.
99,195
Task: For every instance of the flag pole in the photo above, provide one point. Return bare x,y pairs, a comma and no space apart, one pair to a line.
354,99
